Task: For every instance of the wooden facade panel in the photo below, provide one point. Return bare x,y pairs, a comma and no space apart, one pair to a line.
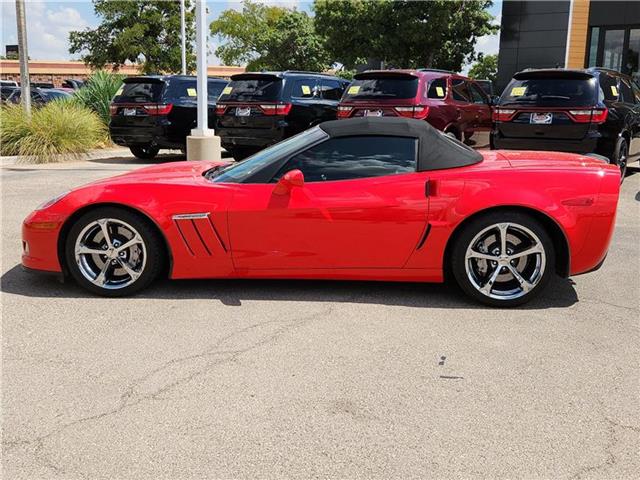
578,36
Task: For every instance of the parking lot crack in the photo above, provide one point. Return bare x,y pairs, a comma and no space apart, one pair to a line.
145,388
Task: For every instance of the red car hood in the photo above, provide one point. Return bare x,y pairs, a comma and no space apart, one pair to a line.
175,172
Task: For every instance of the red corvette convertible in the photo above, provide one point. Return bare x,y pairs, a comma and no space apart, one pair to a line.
366,199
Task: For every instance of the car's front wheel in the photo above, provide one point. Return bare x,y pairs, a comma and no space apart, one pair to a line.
503,259
113,252
146,152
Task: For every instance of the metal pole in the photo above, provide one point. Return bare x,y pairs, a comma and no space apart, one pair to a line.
183,38
201,54
25,85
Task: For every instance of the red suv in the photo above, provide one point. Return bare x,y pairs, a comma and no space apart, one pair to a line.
450,102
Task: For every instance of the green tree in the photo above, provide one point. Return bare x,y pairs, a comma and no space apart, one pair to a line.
138,31
269,38
403,33
485,67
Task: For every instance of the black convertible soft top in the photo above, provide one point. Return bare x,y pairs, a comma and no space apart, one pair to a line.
435,152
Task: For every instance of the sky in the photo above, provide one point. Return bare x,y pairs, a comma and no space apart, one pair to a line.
50,21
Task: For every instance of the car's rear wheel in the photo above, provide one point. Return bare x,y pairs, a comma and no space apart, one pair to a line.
503,259
620,156
113,252
146,152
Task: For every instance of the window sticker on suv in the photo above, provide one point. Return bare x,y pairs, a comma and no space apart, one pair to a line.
518,91
353,89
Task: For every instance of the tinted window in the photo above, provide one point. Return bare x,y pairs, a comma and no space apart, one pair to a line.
331,89
625,91
389,87
636,92
303,88
609,87
354,157
477,94
551,91
241,171
186,90
460,91
140,92
254,89
437,88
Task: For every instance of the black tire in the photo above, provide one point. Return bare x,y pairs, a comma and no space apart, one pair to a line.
519,224
144,152
153,246
620,156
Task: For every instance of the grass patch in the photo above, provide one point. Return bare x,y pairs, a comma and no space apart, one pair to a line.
60,130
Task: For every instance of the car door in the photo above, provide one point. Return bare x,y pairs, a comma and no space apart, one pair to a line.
362,205
331,91
464,106
305,108
482,121
629,92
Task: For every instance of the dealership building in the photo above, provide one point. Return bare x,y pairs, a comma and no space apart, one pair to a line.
572,34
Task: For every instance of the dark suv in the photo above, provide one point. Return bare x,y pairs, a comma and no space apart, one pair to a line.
259,109
581,111
450,102
153,112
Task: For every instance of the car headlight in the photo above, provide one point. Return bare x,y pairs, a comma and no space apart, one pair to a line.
54,200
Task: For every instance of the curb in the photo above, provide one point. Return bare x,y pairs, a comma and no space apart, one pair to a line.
90,155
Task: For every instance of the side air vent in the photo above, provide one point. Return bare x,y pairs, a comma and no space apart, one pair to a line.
199,234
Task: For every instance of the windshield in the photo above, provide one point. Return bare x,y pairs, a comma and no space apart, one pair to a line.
238,172
570,92
389,87
256,89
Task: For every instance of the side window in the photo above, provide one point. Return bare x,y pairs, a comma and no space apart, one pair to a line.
331,89
437,88
636,92
214,89
625,91
303,88
460,91
609,87
477,94
349,158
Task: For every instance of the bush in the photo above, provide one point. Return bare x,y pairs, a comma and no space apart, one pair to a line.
59,128
98,92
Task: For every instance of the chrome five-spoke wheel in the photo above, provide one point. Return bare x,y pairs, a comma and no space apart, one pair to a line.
503,258
505,261
110,253
113,252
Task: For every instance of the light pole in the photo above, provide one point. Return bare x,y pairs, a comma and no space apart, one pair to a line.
202,144
183,39
25,85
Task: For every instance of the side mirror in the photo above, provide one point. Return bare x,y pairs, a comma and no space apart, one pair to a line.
291,179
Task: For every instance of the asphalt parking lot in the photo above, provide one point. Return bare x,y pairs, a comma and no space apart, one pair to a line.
265,379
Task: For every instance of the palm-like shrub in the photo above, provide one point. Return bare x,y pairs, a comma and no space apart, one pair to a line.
57,131
98,92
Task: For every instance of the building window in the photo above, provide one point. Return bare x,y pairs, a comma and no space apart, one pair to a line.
633,54
617,48
613,49
593,47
